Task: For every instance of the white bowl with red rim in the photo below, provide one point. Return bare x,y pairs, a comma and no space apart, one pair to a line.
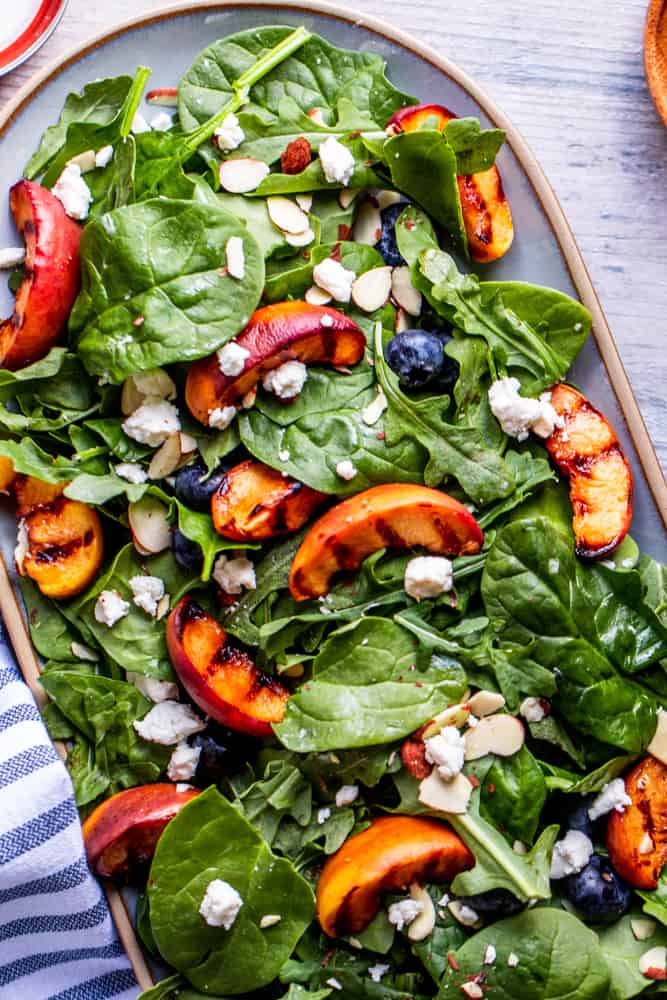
25,26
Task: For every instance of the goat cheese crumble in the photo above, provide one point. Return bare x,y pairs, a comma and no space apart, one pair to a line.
234,575
232,358
287,380
73,193
571,854
152,422
153,688
221,904
132,472
221,417
346,470
161,122
22,545
110,608
323,815
346,795
147,592
532,709
428,576
446,751
518,415
169,723
183,762
402,914
337,161
229,135
335,279
612,796
377,971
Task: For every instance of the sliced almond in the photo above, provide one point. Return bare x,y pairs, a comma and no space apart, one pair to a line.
485,703
368,226
162,607
347,196
242,175
503,735
300,239
445,796
85,160
188,443
297,670
286,215
370,290
459,910
130,397
424,923
386,198
658,745
165,96
304,201
642,928
455,715
402,321
316,296
11,257
653,963
166,459
406,296
316,116
84,652
137,388
149,526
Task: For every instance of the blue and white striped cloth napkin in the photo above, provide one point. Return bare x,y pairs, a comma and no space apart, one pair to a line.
57,939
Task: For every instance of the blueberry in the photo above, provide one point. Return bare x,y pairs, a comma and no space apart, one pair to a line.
194,488
495,903
223,752
188,554
418,358
597,892
386,245
578,818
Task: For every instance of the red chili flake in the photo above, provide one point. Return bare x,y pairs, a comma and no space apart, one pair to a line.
138,321
327,957
354,135
296,156
378,234
223,272
380,435
345,231
413,755
418,684
335,253
492,788
410,224
451,961
655,972
473,780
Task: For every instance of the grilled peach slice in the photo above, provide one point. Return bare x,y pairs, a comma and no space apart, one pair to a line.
51,282
637,837
486,211
7,475
63,546
121,834
283,331
219,677
587,450
254,501
397,515
31,492
390,854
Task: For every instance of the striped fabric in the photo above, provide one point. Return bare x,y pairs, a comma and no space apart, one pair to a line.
57,940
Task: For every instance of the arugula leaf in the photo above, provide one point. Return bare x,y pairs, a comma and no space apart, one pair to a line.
366,688
152,287
31,460
224,845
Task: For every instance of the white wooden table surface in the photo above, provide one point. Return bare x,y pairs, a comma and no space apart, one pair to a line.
569,74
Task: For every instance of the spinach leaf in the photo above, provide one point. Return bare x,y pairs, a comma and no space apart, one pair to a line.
533,557
366,689
254,214
447,936
98,103
224,845
153,290
313,178
456,452
318,75
513,794
88,780
622,952
655,900
51,634
475,149
111,431
558,957
172,988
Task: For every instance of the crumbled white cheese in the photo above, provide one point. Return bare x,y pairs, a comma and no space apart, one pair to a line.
221,904
472,990
428,576
110,608
132,472
532,709
554,566
447,751
612,796
235,257
22,545
377,971
518,415
346,470
234,575
346,795
489,955
287,380
183,762
512,960
372,412
161,122
72,191
323,815
221,417
152,422
169,723
335,279
337,161
154,688
232,358
11,257
269,920
104,156
139,124
402,914
147,592
229,135
284,455
571,854
334,983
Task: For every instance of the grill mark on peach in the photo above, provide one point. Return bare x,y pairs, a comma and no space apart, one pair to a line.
54,553
389,536
191,612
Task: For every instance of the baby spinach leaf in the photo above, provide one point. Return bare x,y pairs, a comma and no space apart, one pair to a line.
223,845
447,936
313,178
154,288
458,452
111,431
51,634
558,956
622,952
98,103
513,794
255,216
475,149
655,900
88,780
366,689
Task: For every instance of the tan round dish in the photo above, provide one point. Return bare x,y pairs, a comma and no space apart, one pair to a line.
655,54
